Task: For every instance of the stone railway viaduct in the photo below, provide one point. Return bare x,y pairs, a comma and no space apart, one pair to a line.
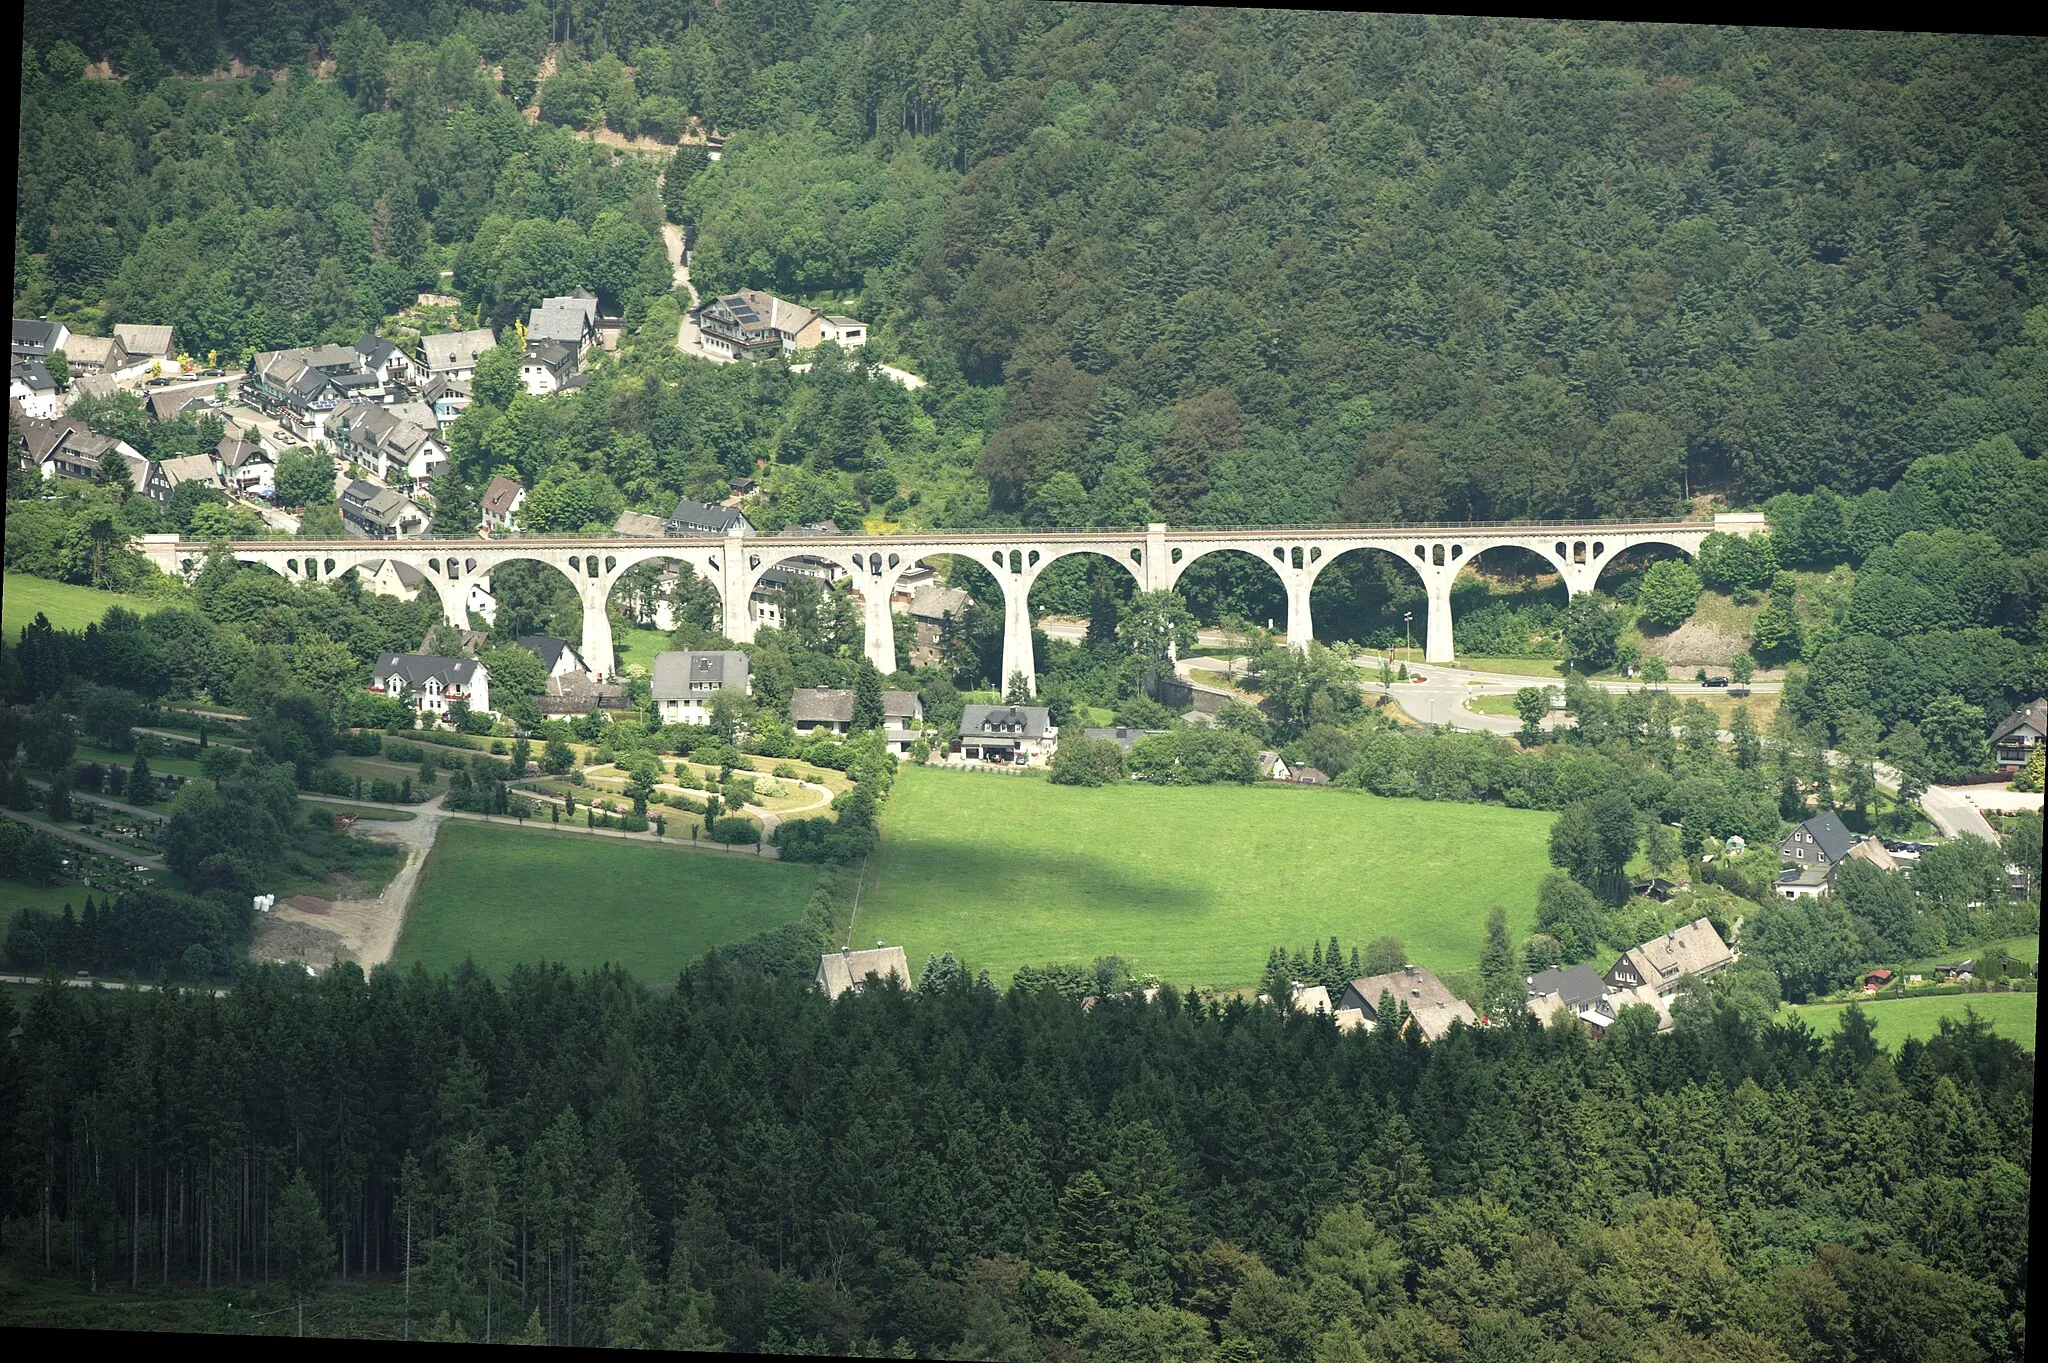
1155,556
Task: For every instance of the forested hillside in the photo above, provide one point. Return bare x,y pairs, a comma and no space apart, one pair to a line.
1230,266
958,1174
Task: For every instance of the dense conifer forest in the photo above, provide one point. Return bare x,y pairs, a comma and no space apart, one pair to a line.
960,1174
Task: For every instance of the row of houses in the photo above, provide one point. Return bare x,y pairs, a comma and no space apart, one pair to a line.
62,448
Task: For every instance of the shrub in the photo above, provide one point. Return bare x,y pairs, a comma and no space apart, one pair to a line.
1082,761
735,831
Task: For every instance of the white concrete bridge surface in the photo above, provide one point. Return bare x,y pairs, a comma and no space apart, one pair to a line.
1156,556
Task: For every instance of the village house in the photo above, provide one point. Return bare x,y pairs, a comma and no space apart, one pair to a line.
753,323
63,448
35,338
695,518
381,513
250,468
1122,737
2019,733
165,404
447,398
32,388
1430,1004
501,502
431,684
147,347
1570,990
89,355
931,607
385,362
391,447
1655,970
1007,735
558,656
1819,841
569,321
452,355
302,387
684,683
1273,767
546,367
840,972
203,469
389,577
829,710
580,693
640,525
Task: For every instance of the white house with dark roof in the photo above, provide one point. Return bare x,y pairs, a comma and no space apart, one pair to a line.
546,367
558,656
841,972
1007,735
693,517
387,444
430,684
390,365
501,502
33,388
250,469
2019,734
569,320
453,354
36,337
381,513
684,683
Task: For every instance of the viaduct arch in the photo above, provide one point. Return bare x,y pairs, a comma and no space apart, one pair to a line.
1155,556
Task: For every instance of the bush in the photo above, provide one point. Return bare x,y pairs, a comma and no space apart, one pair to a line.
363,743
735,831
1082,761
1669,593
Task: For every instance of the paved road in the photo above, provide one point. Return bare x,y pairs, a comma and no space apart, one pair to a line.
90,982
107,800
106,849
1950,810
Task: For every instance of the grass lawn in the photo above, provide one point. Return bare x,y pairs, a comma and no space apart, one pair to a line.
1192,884
363,812
505,896
1492,705
637,646
1514,667
176,766
67,607
1898,1020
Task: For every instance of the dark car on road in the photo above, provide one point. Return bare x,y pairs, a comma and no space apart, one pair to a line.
1717,681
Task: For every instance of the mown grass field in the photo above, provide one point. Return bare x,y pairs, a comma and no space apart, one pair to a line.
67,607
1900,1020
1192,884
503,896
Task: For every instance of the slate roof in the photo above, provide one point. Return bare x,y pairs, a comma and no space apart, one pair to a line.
1005,721
1693,949
640,525
145,342
456,349
674,672
499,494
1828,835
235,451
384,505
549,651
35,374
938,603
702,517
1551,991
1433,1006
33,334
570,318
419,668
2031,716
374,351
550,355
840,971
1122,737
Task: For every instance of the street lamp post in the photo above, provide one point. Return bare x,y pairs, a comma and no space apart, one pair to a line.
1407,633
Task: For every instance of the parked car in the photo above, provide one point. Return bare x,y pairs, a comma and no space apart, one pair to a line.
1717,681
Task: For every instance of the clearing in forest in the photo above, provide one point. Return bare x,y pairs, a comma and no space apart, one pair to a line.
1193,884
1896,1021
505,896
67,607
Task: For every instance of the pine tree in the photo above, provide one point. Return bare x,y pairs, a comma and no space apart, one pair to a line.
300,1240
1497,966
867,697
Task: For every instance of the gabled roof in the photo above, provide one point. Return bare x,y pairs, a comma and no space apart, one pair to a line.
549,651
140,341
840,971
2033,715
821,705
191,468
1311,998
549,354
34,375
1690,950
938,603
418,668
35,334
165,403
99,350
500,493
1828,835
331,357
569,318
1005,721
1572,987
456,349
1428,1000
694,515
374,351
640,525
674,673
